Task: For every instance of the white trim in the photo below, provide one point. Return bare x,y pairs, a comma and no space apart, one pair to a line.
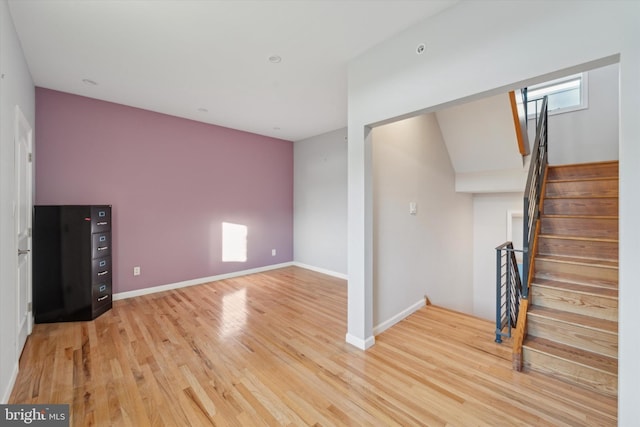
12,381
321,270
360,343
510,215
193,282
399,317
584,95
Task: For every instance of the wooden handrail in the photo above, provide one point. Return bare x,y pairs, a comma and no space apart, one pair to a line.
508,287
533,190
533,206
519,121
520,331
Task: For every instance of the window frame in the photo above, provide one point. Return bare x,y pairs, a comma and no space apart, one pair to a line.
584,94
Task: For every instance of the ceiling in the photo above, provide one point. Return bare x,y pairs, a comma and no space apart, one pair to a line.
209,60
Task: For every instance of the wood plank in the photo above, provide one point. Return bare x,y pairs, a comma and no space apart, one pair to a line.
584,170
579,288
603,227
583,332
577,279
596,372
578,247
605,206
519,122
574,302
269,349
583,188
602,269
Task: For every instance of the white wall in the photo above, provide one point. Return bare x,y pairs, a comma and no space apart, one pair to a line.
591,134
480,135
429,253
320,202
489,231
481,48
16,88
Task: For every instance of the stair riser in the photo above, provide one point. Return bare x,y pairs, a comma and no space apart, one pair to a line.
583,171
606,187
581,227
578,248
588,281
601,342
573,302
557,269
588,206
592,379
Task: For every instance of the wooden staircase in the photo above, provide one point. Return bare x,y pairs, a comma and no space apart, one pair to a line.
572,321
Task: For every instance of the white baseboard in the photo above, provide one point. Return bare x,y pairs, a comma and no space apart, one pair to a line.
321,270
359,342
193,282
398,317
6,394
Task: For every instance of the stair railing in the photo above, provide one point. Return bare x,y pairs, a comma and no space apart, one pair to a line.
508,290
533,191
511,284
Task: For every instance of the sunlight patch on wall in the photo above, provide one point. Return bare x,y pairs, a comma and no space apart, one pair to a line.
234,242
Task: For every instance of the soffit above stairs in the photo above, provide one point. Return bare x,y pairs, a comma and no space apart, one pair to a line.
480,136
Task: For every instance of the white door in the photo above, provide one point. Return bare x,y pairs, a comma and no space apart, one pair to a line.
23,212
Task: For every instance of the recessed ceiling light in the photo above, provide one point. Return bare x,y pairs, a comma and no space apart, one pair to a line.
203,110
421,48
274,59
90,82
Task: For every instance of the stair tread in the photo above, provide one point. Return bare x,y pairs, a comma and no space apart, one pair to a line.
576,279
578,238
577,197
611,217
585,165
585,179
580,261
573,318
601,291
573,354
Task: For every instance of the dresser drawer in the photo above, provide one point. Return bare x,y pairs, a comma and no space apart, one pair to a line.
100,219
101,244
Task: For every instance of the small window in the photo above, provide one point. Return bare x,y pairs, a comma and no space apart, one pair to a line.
564,95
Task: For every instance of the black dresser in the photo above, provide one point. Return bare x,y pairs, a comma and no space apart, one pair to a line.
71,262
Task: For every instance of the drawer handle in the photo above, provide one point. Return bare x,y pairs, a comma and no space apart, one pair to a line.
102,248
102,223
103,298
102,273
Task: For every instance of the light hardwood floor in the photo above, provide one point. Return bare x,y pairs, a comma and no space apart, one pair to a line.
268,349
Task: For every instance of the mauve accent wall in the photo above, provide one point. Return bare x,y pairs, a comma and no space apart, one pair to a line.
172,183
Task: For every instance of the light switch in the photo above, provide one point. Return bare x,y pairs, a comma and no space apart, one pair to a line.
413,208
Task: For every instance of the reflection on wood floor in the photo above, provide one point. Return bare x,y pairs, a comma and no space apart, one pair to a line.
269,349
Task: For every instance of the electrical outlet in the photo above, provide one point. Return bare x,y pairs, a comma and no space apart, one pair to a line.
136,271
273,252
